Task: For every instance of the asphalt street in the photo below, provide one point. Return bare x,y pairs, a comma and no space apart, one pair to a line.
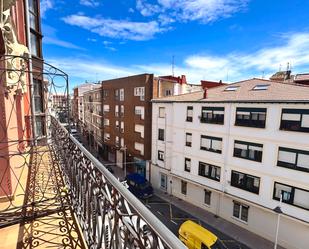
173,217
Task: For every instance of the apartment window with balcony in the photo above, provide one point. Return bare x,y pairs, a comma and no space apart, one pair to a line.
161,134
189,139
249,151
37,95
245,182
293,159
160,155
209,171
212,115
213,144
161,112
291,195
240,211
117,125
121,94
207,197
183,187
295,120
189,114
250,117
187,164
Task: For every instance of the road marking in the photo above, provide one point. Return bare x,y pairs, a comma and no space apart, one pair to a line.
147,206
159,213
174,222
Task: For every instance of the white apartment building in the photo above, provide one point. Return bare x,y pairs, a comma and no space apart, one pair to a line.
80,100
234,150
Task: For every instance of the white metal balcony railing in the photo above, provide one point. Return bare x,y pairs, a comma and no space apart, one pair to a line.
52,173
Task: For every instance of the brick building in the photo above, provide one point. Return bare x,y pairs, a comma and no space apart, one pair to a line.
126,120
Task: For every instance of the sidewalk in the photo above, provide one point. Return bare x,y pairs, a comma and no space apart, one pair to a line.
238,233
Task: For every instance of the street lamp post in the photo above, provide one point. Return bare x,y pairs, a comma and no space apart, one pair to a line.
279,212
124,149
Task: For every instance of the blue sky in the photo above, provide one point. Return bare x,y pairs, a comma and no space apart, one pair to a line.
225,40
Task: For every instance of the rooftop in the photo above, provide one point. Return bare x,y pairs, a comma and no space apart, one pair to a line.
255,90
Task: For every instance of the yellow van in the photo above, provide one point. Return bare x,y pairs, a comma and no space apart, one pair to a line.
195,236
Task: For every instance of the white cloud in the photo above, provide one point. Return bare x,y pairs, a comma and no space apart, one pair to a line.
122,29
236,66
61,43
92,39
50,37
131,10
45,6
190,10
89,3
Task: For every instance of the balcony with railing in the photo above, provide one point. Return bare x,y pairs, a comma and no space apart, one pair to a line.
56,194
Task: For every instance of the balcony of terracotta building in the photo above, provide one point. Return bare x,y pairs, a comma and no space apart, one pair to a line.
53,192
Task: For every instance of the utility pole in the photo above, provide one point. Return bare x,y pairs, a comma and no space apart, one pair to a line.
124,149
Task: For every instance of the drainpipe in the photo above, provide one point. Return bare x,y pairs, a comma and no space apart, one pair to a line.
226,159
30,72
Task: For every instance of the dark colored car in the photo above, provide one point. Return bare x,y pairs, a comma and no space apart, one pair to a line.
139,186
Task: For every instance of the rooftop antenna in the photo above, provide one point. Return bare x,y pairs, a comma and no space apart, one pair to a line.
288,68
280,67
263,74
173,64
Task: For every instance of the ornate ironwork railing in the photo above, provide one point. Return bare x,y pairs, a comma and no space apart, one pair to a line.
109,215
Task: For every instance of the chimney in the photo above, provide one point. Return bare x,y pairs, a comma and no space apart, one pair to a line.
205,93
183,79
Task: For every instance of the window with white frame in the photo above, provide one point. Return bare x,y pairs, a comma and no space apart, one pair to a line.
117,140
241,211
106,122
116,110
106,108
117,125
139,147
140,110
122,127
160,155
121,94
139,91
122,110
161,112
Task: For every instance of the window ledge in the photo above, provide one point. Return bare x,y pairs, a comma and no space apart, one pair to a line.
240,220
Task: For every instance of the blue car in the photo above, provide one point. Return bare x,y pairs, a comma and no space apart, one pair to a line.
139,186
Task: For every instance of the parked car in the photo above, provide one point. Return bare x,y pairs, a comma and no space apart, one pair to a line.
195,236
139,186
